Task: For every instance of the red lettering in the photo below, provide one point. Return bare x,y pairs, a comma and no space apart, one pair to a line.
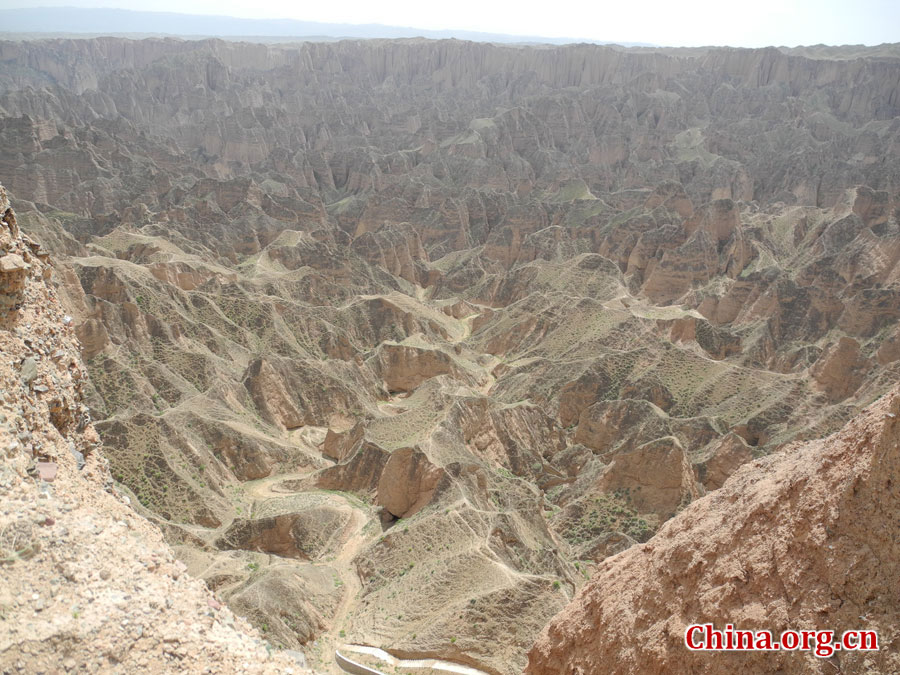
824,638
790,640
764,640
823,643
868,640
689,637
806,635
713,638
743,639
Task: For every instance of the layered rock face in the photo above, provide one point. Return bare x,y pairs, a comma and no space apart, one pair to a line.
799,540
88,585
398,341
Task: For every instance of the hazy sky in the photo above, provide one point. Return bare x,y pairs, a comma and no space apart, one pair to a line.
741,23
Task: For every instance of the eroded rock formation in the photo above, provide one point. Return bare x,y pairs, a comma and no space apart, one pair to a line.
491,314
798,540
88,584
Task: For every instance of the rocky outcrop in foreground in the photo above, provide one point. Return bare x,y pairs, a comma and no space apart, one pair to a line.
804,539
87,584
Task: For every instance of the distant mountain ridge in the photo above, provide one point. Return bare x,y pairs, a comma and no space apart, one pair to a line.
117,21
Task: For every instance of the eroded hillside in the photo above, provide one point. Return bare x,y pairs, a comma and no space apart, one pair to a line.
88,585
397,341
799,540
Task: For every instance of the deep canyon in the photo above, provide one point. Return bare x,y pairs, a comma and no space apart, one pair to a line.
413,343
